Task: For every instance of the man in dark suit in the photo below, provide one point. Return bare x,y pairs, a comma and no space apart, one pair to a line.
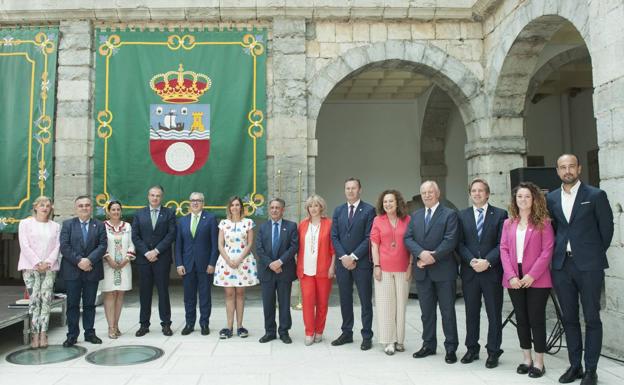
278,242
196,252
350,232
480,229
83,244
431,238
153,233
583,223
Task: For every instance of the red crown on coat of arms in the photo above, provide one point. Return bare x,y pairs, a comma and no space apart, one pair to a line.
180,87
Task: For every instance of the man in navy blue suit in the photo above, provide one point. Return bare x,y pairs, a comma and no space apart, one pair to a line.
480,229
196,252
431,238
153,233
278,242
83,244
350,232
583,222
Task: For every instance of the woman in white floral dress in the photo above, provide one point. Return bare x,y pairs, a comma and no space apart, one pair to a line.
236,266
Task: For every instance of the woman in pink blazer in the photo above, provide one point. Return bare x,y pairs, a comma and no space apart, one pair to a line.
39,262
526,249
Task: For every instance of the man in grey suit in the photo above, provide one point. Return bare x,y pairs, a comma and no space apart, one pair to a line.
431,238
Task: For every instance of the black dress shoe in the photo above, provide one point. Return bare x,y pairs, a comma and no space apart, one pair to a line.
469,357
342,339
535,372
590,377
205,330
93,339
69,342
492,361
571,374
286,339
424,352
143,330
267,338
450,358
523,368
166,330
367,344
188,329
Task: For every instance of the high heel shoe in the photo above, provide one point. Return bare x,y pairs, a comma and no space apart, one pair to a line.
112,333
43,340
117,331
34,340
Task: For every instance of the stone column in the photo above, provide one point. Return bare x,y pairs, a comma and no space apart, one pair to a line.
494,149
287,125
73,149
607,53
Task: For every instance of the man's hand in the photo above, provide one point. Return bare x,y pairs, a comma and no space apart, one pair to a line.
420,264
152,255
181,271
480,265
426,257
276,266
210,269
85,264
348,263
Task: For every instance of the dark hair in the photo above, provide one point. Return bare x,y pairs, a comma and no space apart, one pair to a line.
401,205
578,163
279,200
353,179
228,214
539,210
482,181
79,197
111,203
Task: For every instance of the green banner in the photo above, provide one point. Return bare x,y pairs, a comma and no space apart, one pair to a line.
27,90
182,109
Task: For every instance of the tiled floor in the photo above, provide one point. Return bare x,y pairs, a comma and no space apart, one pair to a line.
197,359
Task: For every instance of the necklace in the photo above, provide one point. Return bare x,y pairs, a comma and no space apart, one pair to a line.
393,226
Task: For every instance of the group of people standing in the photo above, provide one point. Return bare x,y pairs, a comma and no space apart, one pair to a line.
556,240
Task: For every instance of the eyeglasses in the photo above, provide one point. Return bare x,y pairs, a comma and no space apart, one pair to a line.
197,200
84,206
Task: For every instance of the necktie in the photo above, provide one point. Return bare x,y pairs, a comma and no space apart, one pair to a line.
351,212
275,245
154,218
85,233
479,223
194,221
427,218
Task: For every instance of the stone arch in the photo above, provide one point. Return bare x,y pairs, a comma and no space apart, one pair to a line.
433,137
446,71
522,37
553,65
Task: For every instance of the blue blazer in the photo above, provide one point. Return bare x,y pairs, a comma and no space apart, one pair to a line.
161,237
288,247
355,237
441,237
201,251
469,246
589,232
74,249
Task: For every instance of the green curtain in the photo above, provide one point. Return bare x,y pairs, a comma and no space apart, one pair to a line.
182,109
27,98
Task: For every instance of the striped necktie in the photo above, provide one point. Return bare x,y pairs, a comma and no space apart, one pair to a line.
480,222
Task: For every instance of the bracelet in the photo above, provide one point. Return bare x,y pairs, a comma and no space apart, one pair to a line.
377,266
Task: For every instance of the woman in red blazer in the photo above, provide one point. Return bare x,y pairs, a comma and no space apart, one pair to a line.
315,267
526,250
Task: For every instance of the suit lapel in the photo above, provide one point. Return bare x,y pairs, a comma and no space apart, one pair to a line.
580,197
434,218
529,233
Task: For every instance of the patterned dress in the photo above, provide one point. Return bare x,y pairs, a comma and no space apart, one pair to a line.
235,240
120,246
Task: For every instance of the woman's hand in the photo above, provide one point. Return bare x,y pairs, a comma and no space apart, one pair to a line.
527,281
514,283
377,273
332,271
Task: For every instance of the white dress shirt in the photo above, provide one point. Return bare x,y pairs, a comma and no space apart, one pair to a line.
520,236
567,202
311,249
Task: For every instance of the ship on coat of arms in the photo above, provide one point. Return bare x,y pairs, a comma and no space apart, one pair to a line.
180,128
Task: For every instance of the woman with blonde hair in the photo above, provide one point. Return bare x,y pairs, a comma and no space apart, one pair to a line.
315,267
526,249
236,266
39,263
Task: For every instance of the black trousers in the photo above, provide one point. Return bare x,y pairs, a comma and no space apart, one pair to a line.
530,308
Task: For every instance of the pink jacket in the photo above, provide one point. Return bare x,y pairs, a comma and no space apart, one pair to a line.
30,241
538,251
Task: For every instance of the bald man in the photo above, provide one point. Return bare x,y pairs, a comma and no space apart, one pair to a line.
431,237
